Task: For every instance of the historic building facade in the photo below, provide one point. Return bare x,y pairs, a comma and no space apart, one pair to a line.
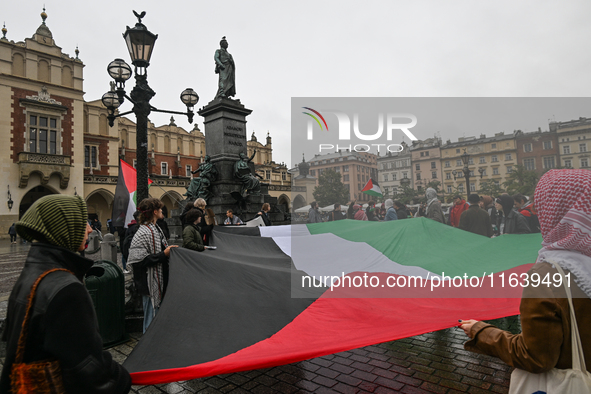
494,156
426,163
41,112
574,142
537,151
395,171
356,168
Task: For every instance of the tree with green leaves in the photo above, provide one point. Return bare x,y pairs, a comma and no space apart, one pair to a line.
521,181
490,188
330,189
406,195
459,189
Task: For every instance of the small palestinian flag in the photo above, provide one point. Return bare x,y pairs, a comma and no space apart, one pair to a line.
372,188
125,195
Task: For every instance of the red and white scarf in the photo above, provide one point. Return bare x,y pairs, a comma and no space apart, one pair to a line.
563,204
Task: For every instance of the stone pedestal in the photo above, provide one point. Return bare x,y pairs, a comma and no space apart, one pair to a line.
225,138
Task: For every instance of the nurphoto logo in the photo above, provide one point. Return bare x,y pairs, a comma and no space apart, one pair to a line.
390,123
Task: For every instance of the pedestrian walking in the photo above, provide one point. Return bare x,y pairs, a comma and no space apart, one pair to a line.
563,201
12,233
460,205
62,324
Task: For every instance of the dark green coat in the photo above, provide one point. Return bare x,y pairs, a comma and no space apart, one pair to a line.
192,238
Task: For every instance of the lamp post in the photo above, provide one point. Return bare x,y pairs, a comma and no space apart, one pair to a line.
140,43
466,171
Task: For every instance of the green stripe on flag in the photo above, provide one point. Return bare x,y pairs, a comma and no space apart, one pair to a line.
437,247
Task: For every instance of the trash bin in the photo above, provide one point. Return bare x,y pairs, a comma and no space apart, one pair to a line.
106,285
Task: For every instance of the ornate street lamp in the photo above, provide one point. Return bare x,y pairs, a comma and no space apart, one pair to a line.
140,44
466,171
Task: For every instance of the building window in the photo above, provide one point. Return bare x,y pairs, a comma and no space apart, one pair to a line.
568,164
496,171
509,169
459,163
549,162
346,178
417,167
547,145
164,168
448,189
527,147
404,175
427,153
494,158
422,154
457,151
448,175
43,134
493,146
471,173
346,168
358,168
90,156
584,162
566,149
385,177
484,172
283,176
472,187
390,165
482,160
188,169
267,174
433,165
394,176
418,177
507,156
358,177
447,163
470,161
582,148
434,174
529,164
313,172
419,188
461,188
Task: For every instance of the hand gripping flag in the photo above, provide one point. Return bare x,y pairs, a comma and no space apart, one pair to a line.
269,296
372,188
124,204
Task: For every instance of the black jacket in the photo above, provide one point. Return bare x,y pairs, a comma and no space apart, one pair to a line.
515,223
265,218
63,324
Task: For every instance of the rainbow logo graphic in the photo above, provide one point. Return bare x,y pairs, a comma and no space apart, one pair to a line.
315,118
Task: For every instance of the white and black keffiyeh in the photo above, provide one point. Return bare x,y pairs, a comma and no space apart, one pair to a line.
149,239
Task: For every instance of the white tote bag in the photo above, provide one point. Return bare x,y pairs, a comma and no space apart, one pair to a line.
576,380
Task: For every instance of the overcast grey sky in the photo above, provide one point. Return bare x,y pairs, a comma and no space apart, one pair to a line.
427,48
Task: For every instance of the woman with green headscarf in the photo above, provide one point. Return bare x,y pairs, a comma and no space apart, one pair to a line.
63,324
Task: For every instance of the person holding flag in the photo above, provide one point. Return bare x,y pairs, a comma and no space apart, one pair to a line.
124,203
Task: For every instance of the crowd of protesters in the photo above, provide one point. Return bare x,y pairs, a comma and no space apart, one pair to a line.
482,215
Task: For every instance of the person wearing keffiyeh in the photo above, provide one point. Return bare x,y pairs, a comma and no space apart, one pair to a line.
148,257
563,201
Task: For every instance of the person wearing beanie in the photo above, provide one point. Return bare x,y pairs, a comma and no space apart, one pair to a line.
476,219
512,222
63,323
390,211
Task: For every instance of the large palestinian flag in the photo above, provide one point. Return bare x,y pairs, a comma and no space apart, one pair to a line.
124,204
276,295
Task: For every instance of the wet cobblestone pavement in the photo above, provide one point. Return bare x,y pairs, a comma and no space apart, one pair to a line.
434,362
